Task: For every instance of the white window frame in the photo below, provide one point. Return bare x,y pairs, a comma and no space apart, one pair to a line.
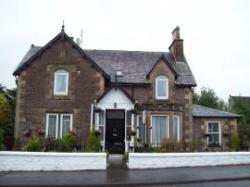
47,124
219,129
61,122
151,123
178,126
61,72
158,78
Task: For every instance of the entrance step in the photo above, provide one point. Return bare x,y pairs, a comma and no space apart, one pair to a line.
116,161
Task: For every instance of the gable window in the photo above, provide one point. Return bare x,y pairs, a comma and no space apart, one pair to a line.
159,128
61,81
161,88
214,136
57,125
176,128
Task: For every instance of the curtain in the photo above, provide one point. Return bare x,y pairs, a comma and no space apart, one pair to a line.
52,126
65,125
159,128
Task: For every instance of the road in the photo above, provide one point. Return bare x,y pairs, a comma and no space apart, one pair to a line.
199,176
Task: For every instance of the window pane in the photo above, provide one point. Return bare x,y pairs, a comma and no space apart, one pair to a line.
61,82
215,127
210,127
128,129
215,138
52,126
129,118
159,129
101,118
65,124
101,128
142,131
175,128
161,88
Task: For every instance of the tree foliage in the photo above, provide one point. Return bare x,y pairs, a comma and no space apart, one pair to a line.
207,97
7,113
242,109
93,142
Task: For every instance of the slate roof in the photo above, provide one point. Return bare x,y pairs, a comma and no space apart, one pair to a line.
135,65
202,111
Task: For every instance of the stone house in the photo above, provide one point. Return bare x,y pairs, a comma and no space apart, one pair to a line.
121,94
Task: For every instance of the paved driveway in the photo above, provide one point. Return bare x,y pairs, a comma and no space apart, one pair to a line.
117,177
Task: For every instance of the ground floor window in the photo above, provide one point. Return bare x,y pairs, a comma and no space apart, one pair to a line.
176,128
57,125
159,128
141,132
214,133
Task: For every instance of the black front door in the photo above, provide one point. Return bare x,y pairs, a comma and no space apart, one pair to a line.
115,131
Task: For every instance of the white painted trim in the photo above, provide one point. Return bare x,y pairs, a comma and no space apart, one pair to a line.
91,116
161,77
97,118
61,72
151,123
178,126
219,128
61,125
47,124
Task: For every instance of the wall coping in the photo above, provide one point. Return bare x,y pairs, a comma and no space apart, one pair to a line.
24,153
187,154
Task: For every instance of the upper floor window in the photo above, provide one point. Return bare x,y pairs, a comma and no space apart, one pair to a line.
161,88
61,81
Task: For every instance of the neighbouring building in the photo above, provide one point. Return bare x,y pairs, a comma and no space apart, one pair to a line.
122,94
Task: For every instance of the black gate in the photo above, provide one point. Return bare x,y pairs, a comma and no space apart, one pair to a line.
115,131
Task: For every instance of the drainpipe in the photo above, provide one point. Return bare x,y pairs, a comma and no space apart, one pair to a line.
91,117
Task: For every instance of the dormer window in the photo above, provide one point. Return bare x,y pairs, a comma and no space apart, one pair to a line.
61,81
161,88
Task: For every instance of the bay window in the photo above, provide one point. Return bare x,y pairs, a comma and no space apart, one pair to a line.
160,127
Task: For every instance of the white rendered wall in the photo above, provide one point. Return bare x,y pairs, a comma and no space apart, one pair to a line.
40,161
170,160
115,96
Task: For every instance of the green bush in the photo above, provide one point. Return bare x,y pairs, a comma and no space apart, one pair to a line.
35,144
2,146
169,145
235,143
67,143
93,142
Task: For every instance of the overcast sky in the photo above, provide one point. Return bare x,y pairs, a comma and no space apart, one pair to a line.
216,33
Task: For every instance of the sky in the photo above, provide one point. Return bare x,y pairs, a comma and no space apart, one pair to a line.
216,33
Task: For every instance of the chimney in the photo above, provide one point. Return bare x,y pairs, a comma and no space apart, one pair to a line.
176,47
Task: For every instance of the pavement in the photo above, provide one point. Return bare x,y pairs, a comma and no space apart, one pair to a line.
233,175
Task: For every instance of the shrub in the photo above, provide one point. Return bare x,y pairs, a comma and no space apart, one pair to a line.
170,145
2,146
235,143
67,143
93,142
35,144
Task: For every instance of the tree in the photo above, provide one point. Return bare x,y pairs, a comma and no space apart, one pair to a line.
7,114
243,109
208,98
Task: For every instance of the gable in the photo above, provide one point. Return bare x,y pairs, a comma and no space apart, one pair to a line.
36,52
115,95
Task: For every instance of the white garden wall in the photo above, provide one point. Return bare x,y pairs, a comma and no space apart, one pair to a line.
40,161
169,160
